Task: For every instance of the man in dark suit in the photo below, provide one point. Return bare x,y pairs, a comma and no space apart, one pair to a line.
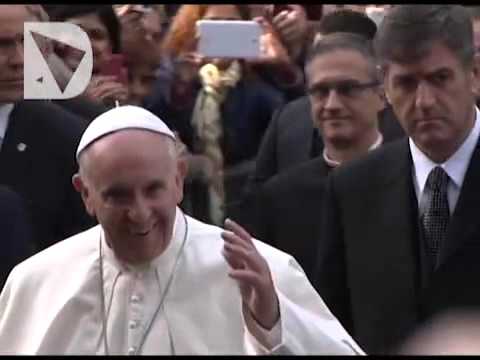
38,140
15,232
344,90
400,239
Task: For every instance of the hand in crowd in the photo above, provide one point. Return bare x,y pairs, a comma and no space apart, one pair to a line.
187,66
137,35
131,23
252,274
107,90
200,167
272,50
292,24
274,53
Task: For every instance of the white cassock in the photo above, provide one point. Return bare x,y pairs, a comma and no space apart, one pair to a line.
51,303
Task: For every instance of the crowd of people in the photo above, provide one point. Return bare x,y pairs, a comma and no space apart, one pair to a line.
316,199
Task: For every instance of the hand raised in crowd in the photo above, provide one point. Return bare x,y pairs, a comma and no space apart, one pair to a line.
107,90
251,271
131,23
292,24
135,32
271,48
187,66
274,53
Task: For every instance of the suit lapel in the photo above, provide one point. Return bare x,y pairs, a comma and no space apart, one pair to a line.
391,242
463,223
397,217
15,154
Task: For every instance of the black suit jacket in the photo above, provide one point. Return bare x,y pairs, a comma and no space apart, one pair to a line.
370,268
15,230
37,159
81,106
288,209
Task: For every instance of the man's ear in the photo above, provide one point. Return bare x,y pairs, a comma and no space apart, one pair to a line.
382,71
80,186
382,97
182,169
476,76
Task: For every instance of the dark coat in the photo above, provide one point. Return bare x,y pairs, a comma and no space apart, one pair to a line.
38,162
370,266
15,230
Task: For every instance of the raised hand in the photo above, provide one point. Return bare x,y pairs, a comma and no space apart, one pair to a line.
107,90
292,24
272,49
251,271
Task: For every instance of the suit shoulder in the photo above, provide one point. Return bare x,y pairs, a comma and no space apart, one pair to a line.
54,117
372,166
295,109
51,119
312,172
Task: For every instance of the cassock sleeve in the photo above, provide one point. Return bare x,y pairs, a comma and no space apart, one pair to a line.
307,326
258,340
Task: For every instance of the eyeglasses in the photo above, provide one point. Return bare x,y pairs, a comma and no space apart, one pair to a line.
347,89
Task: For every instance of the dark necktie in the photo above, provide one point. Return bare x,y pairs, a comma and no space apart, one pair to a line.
437,213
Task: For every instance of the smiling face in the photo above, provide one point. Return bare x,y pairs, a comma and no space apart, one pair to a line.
98,34
343,117
132,182
433,100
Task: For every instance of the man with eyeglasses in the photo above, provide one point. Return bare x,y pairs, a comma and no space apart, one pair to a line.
346,98
292,137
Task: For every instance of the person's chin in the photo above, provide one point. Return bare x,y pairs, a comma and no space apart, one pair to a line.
433,138
338,135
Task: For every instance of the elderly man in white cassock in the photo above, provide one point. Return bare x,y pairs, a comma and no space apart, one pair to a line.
150,279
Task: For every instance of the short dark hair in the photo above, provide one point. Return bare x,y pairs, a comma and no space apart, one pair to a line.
407,33
345,41
105,13
347,21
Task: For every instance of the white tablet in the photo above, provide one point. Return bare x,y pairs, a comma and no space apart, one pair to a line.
229,39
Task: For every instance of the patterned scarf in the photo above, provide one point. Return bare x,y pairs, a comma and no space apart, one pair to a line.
207,122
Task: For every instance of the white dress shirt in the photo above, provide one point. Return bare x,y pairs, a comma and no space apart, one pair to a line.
5,110
455,166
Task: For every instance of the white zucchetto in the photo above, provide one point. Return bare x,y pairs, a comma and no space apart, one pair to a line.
121,118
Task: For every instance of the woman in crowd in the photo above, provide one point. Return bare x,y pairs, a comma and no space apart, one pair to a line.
220,108
109,82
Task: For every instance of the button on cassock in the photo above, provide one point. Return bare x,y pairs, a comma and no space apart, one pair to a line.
135,299
133,324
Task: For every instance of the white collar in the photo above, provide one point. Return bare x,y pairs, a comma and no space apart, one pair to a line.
455,166
163,263
334,163
5,111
